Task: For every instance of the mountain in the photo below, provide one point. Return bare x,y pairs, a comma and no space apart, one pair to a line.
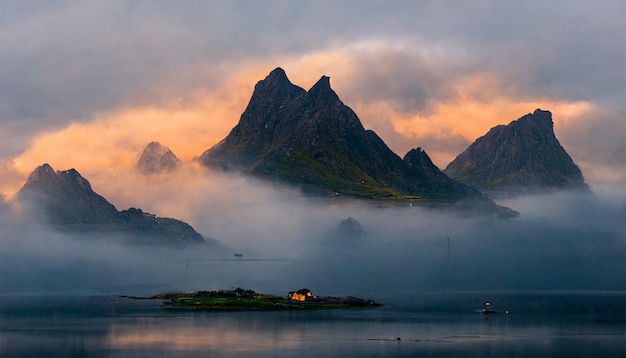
67,201
350,227
312,139
157,158
524,155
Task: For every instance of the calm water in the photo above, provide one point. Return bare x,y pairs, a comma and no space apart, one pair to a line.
441,325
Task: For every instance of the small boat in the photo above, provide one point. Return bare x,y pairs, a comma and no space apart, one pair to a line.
487,309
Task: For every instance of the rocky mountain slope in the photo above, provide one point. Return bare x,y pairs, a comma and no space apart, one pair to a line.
524,155
312,139
65,200
157,158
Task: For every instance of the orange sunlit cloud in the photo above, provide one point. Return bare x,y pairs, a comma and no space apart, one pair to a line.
469,115
114,140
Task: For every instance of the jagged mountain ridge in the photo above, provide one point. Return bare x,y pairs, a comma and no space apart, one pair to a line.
524,155
157,158
312,139
67,201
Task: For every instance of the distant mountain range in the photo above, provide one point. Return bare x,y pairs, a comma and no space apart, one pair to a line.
313,140
66,201
523,156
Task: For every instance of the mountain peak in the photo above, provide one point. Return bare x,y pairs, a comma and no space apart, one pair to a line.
277,80
278,74
273,91
157,158
73,177
323,81
417,158
44,167
323,84
65,196
322,90
67,201
524,155
537,118
258,125
154,146
43,173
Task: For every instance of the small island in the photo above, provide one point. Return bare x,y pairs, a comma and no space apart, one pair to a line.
248,300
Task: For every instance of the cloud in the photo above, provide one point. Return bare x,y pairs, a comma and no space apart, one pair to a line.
297,242
113,140
595,142
106,54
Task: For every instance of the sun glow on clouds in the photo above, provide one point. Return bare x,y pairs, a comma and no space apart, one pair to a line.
453,114
468,119
114,140
449,125
471,103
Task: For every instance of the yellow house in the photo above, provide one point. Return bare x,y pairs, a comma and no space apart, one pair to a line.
300,295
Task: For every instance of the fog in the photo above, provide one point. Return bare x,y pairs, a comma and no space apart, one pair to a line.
562,241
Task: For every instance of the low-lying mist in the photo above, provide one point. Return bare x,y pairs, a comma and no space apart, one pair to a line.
562,241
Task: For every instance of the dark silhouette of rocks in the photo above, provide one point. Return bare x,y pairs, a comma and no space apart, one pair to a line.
66,198
66,201
157,158
311,139
350,227
524,155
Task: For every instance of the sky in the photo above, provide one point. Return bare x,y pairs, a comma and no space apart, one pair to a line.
89,84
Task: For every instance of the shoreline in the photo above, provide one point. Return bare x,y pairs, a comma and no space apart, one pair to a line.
248,300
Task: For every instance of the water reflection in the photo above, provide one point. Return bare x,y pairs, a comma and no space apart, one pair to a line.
445,326
205,331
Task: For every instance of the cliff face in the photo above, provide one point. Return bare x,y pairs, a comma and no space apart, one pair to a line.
66,200
524,155
312,139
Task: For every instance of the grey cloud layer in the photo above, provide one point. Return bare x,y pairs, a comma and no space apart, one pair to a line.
94,54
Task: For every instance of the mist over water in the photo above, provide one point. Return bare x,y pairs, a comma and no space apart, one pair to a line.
562,241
